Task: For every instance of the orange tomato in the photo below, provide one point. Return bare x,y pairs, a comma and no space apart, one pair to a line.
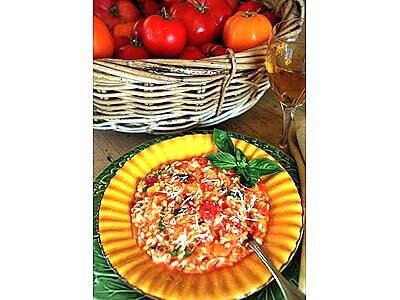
123,29
245,30
102,39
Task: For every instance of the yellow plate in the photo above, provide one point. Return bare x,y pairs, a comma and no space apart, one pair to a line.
137,268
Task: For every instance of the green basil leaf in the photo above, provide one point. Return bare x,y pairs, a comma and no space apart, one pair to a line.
223,141
244,175
241,159
264,166
222,160
254,176
248,176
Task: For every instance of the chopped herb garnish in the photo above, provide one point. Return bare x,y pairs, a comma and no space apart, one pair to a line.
161,225
175,252
188,251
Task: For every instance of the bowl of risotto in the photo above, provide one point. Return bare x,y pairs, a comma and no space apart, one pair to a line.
174,226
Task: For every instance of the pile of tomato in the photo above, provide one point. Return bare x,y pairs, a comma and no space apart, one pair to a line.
186,29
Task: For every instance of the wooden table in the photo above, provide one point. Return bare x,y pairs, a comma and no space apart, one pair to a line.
263,121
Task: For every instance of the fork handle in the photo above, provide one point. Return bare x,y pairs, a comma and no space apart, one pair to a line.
290,292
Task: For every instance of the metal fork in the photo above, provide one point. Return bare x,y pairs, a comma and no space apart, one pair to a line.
289,291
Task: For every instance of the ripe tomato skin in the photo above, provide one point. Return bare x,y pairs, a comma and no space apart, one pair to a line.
251,6
211,49
137,30
150,7
273,19
120,41
182,166
203,161
206,186
168,3
123,29
222,11
114,12
208,211
262,187
132,52
233,3
102,39
164,37
150,181
201,25
191,52
245,30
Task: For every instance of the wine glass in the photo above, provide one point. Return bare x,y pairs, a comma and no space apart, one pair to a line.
286,69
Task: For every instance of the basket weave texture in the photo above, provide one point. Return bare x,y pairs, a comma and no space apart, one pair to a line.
159,96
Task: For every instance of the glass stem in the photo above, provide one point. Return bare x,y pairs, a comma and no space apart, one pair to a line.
288,116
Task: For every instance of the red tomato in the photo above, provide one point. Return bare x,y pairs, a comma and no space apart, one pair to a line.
272,18
224,205
191,52
102,39
133,51
168,3
123,29
203,161
219,8
208,211
137,30
182,166
245,30
206,186
191,179
251,6
211,49
150,181
164,36
203,186
201,24
262,187
120,41
233,3
114,12
150,7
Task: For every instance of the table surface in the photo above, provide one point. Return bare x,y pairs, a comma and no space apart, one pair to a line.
263,121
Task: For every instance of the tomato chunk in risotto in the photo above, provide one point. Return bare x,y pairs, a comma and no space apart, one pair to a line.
194,217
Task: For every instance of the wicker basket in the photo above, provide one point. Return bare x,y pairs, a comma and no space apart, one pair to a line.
160,96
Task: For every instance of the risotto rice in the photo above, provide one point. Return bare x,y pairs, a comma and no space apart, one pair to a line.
194,217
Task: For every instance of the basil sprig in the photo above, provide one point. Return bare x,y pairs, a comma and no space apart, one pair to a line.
230,158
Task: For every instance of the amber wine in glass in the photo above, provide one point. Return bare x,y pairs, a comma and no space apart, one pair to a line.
285,64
